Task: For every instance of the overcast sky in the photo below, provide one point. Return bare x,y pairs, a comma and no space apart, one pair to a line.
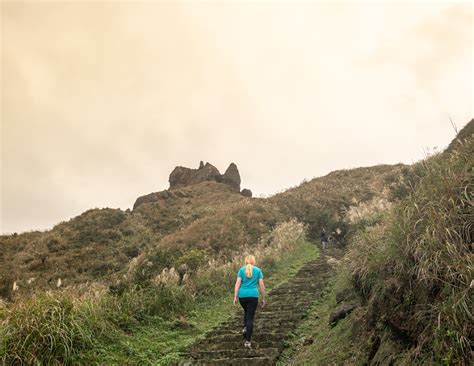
100,100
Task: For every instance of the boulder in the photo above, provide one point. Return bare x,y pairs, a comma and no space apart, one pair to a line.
246,192
231,177
340,313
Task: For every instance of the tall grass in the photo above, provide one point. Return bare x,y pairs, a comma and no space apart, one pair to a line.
56,327
49,329
415,267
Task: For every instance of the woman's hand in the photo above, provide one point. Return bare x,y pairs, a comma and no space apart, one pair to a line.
261,284
238,282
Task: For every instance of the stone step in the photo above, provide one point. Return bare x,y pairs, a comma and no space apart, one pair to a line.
259,322
300,306
265,312
257,328
295,292
285,328
254,361
257,337
289,300
240,352
275,322
224,345
268,316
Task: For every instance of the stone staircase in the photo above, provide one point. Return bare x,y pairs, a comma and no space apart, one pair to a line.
286,306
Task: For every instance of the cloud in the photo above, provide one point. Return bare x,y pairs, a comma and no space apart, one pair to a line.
431,47
100,100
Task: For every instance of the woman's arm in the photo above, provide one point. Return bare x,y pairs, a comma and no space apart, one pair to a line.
261,284
238,281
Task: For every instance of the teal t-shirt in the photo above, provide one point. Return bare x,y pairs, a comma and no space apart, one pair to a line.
249,286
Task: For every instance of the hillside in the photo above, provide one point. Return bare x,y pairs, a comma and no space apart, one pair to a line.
409,271
100,243
163,260
205,216
112,275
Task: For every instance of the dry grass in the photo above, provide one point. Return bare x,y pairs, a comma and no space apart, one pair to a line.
206,219
326,201
126,268
415,267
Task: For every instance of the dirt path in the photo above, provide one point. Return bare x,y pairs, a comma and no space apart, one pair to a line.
286,306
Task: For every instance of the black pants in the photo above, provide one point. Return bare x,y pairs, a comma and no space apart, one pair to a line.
250,305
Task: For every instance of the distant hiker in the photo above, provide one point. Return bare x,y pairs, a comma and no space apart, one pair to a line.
332,239
324,239
249,279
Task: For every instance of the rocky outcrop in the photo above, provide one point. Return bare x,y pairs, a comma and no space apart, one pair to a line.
231,177
152,197
182,177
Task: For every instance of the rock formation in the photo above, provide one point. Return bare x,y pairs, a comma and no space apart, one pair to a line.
231,177
183,177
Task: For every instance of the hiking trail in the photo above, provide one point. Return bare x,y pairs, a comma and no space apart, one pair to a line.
286,306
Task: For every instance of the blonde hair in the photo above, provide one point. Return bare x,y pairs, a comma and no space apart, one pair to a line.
249,263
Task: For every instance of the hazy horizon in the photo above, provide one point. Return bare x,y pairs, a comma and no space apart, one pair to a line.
101,100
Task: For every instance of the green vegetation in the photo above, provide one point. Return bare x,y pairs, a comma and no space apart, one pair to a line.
409,267
142,326
332,201
112,286
414,269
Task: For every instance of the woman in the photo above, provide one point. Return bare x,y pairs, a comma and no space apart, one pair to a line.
249,279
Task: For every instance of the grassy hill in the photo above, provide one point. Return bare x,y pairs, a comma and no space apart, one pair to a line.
202,220
409,269
98,245
102,276
160,260
414,269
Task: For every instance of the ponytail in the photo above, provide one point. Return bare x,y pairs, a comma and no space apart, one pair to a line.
249,262
248,270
